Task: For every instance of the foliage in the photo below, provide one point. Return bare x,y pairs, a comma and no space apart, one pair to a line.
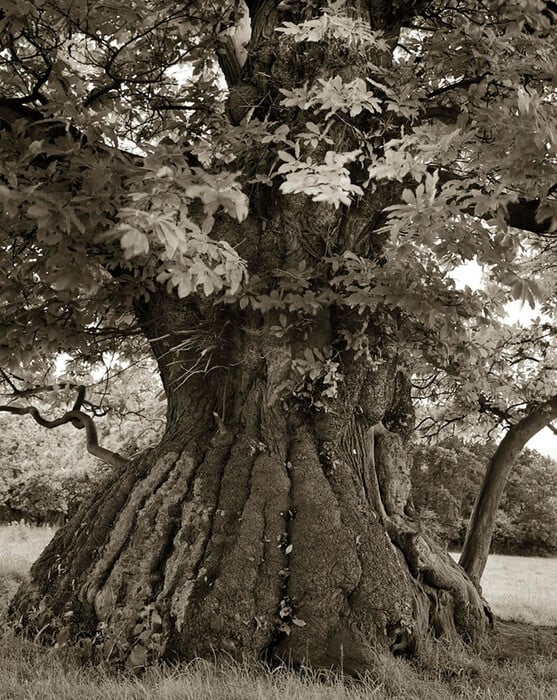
44,474
530,503
120,157
445,481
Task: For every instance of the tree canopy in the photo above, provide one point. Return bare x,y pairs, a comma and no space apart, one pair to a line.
127,132
277,195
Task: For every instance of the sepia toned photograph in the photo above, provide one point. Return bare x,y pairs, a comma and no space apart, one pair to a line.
278,349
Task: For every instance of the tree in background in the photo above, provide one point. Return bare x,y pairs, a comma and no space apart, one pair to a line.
507,389
529,505
446,478
274,195
482,521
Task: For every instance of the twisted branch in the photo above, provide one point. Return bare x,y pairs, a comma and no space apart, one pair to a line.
79,420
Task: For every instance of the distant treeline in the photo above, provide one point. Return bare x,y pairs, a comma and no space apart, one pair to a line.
446,478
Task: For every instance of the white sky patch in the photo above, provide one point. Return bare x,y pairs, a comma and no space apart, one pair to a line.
61,362
471,274
110,360
468,275
520,312
545,442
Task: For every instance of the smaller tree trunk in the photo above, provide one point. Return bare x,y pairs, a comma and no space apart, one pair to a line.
482,521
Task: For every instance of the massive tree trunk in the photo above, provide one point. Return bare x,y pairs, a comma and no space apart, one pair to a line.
271,521
258,526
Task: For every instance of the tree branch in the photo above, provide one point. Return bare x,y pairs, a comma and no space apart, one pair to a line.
459,84
79,420
522,215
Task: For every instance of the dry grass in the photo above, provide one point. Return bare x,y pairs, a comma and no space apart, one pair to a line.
35,673
504,672
522,588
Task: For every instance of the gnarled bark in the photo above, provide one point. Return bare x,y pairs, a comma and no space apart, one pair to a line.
266,524
258,527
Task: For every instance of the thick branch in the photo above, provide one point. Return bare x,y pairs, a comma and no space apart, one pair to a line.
79,420
522,214
228,61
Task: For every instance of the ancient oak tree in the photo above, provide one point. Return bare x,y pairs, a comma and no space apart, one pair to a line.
275,194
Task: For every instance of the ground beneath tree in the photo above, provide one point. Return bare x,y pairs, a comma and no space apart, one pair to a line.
510,640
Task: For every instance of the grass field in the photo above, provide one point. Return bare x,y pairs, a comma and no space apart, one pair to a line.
20,545
521,588
518,663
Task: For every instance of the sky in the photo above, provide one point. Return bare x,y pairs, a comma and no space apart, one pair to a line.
471,274
545,442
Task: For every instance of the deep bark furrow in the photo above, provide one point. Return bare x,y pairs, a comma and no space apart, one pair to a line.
231,605
130,584
235,481
277,557
184,570
217,459
320,578
120,532
226,523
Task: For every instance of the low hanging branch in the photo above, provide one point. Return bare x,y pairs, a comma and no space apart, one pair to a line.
79,420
